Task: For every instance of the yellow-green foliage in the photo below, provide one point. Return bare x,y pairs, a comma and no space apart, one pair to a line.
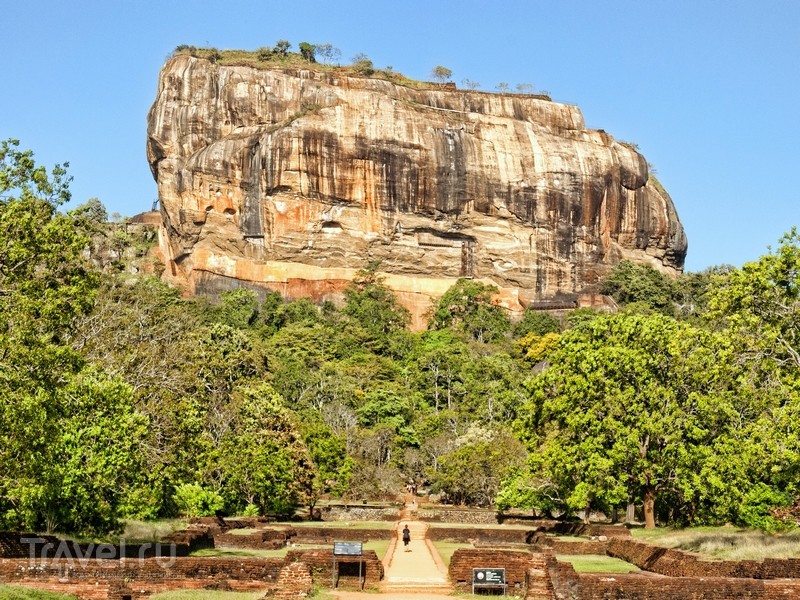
534,347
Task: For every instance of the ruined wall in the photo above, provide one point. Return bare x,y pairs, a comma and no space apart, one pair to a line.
679,563
515,563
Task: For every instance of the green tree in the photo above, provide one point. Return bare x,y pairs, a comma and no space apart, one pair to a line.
307,51
468,307
472,473
362,65
45,285
441,74
537,322
282,47
630,283
374,307
238,308
262,457
92,210
626,409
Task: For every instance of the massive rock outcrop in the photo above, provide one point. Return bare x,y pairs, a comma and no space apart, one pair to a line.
295,179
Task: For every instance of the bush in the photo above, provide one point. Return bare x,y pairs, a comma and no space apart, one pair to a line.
193,500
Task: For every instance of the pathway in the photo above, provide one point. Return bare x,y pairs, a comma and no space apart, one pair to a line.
415,573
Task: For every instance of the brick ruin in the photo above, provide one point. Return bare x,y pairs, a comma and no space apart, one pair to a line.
137,571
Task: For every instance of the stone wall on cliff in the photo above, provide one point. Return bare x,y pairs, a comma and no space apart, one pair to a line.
294,179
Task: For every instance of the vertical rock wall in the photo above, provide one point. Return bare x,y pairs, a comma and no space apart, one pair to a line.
293,180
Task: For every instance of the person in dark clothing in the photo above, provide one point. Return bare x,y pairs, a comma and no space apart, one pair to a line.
406,537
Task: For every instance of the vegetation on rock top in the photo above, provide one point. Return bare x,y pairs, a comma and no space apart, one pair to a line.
309,56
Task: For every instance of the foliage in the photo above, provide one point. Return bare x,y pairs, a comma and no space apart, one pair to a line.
362,65
472,473
468,307
441,74
537,322
307,51
193,500
374,307
262,458
626,410
282,47
328,52
630,283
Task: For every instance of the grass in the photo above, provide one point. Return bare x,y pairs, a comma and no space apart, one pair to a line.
207,595
13,592
151,531
724,543
439,524
240,553
243,531
379,546
344,524
447,549
597,563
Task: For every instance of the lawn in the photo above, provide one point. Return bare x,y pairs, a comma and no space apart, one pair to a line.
379,546
13,592
343,524
597,563
215,595
481,526
207,595
446,549
725,543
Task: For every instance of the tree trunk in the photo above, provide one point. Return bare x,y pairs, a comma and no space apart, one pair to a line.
630,513
614,515
649,507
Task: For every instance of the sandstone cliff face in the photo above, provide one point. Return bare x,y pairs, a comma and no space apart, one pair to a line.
294,180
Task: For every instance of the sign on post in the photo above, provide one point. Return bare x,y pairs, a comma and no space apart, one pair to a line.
347,549
489,577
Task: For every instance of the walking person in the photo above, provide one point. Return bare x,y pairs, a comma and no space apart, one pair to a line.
406,538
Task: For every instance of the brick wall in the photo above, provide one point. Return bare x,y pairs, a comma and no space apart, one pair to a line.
294,581
515,563
321,564
265,539
470,534
359,513
100,579
454,515
641,587
564,547
327,535
679,563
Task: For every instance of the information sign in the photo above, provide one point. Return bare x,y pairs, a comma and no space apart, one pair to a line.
347,548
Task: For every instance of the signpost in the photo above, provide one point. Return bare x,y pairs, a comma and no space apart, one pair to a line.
347,549
493,577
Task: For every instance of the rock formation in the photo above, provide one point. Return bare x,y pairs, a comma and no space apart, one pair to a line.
294,179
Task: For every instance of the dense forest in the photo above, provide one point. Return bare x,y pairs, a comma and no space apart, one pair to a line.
122,399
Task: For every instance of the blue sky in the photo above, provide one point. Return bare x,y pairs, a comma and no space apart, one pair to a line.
708,89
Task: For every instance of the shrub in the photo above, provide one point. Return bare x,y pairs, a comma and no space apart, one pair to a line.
193,500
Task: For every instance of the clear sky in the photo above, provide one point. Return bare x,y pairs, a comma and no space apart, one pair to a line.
708,89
